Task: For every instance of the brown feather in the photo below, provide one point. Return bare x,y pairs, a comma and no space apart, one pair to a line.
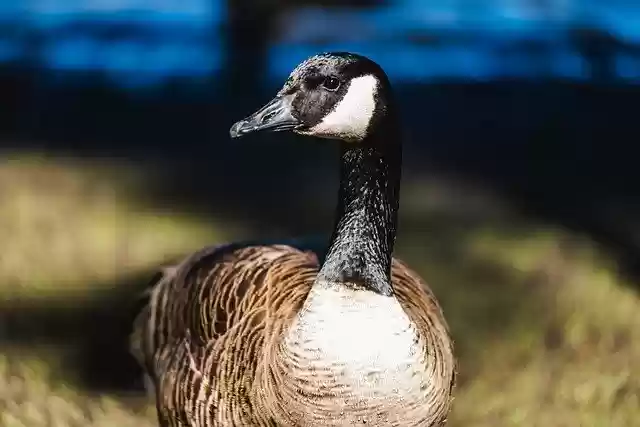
213,324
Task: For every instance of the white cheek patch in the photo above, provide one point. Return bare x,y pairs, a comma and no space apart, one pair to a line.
350,117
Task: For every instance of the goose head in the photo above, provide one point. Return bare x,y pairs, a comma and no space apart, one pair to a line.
336,95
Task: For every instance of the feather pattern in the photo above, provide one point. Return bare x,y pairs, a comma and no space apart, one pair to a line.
213,341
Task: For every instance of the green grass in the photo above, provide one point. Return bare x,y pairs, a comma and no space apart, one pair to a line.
563,346
547,333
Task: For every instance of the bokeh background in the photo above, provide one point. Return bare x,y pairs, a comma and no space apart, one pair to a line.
520,201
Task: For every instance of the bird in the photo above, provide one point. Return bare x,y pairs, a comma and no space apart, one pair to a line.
297,333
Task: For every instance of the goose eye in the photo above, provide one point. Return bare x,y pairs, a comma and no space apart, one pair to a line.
331,83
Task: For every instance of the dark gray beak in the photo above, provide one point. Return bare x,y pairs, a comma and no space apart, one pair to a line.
275,116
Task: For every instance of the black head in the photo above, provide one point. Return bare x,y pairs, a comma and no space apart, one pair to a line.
337,95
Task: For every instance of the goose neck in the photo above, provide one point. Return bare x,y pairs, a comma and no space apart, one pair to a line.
366,219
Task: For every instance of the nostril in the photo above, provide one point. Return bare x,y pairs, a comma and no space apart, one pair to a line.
267,117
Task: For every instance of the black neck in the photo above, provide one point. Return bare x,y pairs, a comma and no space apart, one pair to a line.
365,230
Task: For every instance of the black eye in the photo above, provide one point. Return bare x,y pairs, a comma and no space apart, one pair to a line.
331,83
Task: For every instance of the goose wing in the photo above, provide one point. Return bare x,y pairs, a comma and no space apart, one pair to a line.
211,309
424,310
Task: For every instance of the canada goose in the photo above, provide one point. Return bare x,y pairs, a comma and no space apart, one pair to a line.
254,334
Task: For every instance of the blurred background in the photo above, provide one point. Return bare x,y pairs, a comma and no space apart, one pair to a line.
520,201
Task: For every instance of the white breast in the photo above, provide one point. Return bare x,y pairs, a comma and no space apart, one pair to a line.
368,336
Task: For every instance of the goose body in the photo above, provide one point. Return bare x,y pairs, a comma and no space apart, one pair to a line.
290,335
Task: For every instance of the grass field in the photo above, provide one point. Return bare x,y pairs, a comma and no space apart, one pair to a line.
547,333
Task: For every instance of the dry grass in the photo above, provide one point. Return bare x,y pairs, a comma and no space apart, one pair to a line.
547,334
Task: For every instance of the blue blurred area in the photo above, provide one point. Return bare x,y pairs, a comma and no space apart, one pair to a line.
133,42
137,42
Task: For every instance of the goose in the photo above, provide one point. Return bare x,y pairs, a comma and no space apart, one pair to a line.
290,334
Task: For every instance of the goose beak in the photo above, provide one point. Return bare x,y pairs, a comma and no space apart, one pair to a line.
275,116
